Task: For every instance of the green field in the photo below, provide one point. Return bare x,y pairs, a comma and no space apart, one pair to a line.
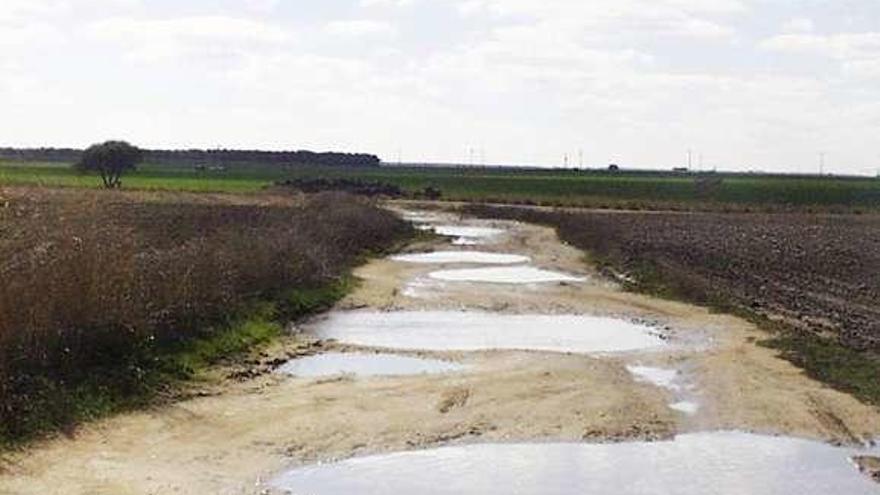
547,187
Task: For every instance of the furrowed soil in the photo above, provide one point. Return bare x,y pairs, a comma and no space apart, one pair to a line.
248,424
812,279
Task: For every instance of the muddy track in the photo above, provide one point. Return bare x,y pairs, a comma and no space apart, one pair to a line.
250,425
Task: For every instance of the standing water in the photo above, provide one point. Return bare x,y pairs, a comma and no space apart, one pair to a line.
465,236
504,275
462,257
470,331
723,463
668,379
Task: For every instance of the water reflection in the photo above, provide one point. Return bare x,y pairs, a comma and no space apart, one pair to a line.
725,463
468,331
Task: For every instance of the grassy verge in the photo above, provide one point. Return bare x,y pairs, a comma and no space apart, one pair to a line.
826,360
259,323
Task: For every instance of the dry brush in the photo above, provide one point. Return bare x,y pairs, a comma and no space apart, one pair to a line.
94,286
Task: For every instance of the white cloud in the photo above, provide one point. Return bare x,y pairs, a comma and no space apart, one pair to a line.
607,9
208,36
202,27
386,3
43,10
261,5
614,20
360,27
798,25
29,35
858,54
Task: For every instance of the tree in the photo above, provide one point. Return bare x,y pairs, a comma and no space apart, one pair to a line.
110,159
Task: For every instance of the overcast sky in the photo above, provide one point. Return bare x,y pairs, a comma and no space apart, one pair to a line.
747,84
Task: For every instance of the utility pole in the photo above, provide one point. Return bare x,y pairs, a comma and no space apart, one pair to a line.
690,158
581,158
565,160
822,163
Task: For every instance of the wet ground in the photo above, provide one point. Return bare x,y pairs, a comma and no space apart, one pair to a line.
535,376
364,364
693,464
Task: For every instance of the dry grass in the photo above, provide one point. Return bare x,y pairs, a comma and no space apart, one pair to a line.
98,284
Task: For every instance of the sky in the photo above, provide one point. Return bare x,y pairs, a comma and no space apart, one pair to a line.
743,84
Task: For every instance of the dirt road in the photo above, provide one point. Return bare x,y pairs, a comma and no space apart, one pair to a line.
241,432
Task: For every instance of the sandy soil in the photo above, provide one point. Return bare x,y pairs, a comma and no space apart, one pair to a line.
242,431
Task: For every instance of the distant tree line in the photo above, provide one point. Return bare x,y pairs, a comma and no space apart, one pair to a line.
205,157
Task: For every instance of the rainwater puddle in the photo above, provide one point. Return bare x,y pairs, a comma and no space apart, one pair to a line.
656,376
723,463
465,236
467,241
471,331
362,364
462,257
685,406
422,216
504,275
420,288
668,379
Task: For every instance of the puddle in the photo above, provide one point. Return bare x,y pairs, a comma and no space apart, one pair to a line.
471,331
686,406
693,464
464,231
362,364
656,376
419,288
465,236
462,257
666,378
505,275
465,241
421,217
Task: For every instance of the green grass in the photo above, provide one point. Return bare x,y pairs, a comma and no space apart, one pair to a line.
548,187
147,178
826,360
